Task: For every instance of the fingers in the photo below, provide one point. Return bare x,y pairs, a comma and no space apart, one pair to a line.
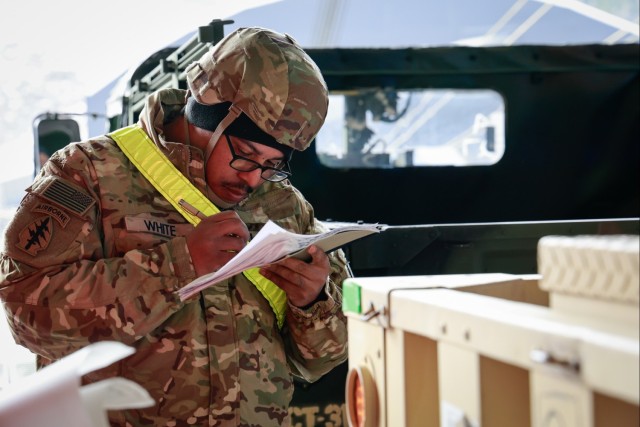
225,223
216,240
231,243
318,256
302,281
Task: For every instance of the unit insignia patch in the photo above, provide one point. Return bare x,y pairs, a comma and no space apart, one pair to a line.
36,236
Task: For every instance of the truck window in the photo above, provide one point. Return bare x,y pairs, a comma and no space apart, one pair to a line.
376,128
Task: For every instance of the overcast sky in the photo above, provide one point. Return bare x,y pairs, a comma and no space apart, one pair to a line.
55,54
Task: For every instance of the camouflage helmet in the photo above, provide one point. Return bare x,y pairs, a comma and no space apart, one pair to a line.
267,76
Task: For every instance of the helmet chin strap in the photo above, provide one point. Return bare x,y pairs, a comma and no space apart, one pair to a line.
233,114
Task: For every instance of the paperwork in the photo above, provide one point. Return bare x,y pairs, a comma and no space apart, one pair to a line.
54,396
273,243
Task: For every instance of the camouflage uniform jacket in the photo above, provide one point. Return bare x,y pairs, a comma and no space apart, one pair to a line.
96,253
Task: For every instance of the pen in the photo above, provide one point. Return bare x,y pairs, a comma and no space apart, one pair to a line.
192,210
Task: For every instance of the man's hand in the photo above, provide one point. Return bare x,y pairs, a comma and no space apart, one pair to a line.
302,281
216,240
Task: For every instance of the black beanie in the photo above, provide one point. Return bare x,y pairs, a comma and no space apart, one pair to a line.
209,116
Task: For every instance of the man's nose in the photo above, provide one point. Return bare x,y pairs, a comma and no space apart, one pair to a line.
252,178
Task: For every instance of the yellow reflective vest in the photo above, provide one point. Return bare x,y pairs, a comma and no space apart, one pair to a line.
174,186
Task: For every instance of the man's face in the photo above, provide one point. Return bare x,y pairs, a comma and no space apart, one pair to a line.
232,185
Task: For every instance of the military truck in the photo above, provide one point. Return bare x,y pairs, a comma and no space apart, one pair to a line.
470,154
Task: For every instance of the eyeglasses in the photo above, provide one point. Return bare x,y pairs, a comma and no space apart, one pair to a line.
242,164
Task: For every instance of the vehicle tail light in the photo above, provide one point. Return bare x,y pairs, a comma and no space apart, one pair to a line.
361,398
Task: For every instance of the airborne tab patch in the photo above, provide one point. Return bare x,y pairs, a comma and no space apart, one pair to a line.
68,196
36,236
55,212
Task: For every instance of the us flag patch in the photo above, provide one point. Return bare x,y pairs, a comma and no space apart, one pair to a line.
68,196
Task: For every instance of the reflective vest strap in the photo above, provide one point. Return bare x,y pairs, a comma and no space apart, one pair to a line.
174,186
160,172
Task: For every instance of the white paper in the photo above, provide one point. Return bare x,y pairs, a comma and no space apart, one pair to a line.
54,396
273,243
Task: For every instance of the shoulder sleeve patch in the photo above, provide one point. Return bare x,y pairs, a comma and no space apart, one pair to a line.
36,236
67,196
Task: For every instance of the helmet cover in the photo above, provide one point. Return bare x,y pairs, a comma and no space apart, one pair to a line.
270,78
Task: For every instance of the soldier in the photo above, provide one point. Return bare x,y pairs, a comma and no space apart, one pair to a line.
110,230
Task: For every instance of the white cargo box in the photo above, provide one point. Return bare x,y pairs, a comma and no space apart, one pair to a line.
496,349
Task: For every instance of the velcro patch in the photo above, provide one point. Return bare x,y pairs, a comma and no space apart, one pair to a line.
146,225
36,236
55,212
68,196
